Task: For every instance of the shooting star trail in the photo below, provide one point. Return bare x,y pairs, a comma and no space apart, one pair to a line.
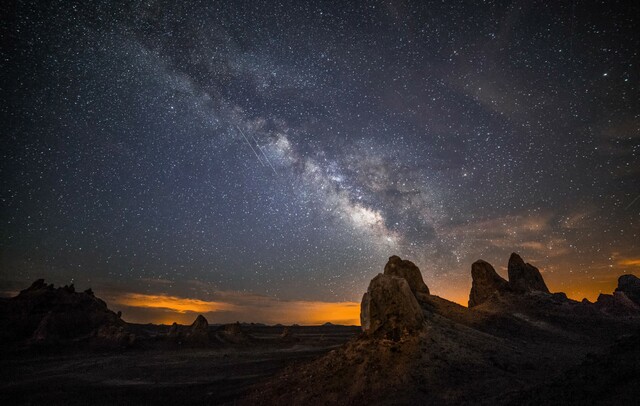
263,154
250,146
632,202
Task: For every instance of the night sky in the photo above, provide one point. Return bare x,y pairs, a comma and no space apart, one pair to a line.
260,161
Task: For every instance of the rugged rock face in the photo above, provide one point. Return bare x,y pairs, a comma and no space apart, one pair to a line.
403,268
630,286
389,308
525,277
486,282
43,314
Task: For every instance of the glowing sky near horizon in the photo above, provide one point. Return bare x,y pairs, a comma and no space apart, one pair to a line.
284,150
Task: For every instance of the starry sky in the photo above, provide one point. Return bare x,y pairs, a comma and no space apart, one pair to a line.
261,160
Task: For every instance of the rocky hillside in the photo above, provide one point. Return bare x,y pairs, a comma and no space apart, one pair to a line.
43,315
516,338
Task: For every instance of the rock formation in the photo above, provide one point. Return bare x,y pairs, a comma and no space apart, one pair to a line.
410,272
486,282
525,277
233,334
389,308
197,334
625,300
45,315
630,286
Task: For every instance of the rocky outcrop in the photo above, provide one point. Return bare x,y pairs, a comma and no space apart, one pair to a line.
630,286
524,277
233,334
486,283
44,315
197,334
389,308
403,268
617,304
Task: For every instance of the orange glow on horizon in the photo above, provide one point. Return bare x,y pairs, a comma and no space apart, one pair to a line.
347,313
629,262
173,303
165,309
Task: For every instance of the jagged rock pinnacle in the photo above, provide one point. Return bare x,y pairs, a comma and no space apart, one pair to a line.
525,277
486,282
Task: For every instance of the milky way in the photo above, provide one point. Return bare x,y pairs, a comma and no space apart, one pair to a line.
287,149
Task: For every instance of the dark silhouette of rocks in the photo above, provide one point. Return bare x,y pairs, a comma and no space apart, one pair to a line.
625,300
407,270
233,334
485,283
44,315
389,308
525,277
198,331
630,286
195,335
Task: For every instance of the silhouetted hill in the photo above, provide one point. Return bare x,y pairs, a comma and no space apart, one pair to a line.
46,316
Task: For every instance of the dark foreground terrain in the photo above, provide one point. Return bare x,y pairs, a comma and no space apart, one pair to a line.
516,344
161,375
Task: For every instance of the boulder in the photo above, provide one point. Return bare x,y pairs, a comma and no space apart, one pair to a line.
410,272
389,308
630,286
486,283
524,277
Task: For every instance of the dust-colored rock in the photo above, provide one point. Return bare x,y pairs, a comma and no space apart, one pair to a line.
389,308
410,272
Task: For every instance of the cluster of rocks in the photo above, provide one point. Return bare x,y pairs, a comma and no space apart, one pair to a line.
232,334
200,334
45,315
398,302
625,299
523,278
197,334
